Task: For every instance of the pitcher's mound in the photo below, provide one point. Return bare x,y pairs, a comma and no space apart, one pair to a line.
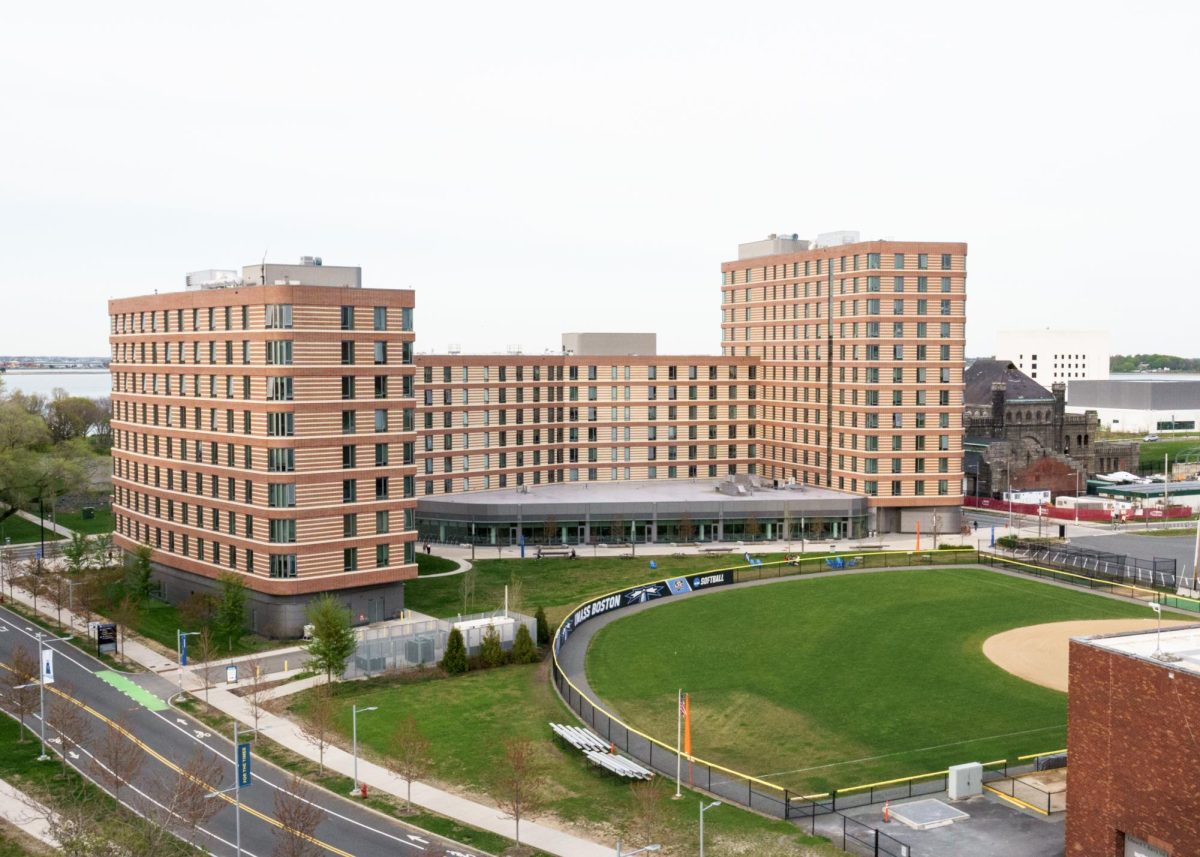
1038,653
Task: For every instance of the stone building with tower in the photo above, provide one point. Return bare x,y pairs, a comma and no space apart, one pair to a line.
1019,436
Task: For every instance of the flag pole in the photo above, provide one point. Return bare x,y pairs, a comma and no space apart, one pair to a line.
678,742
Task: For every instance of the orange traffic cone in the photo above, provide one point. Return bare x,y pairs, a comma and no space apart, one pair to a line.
887,812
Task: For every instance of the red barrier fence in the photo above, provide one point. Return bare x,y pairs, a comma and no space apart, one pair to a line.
1070,514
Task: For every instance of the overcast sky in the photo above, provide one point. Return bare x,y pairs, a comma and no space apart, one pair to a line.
533,168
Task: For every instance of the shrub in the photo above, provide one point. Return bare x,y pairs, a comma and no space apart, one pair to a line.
490,652
523,651
1006,542
543,627
454,661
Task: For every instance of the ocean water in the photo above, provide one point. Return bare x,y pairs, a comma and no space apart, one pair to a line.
91,385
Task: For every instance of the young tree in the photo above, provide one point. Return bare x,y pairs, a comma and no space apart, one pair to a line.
68,720
58,593
543,627
77,552
523,650
126,614
454,661
256,688
229,618
550,533
753,527
190,801
299,816
115,760
647,822
410,757
207,653
102,548
491,653
466,588
197,610
333,640
33,580
687,529
516,594
517,785
137,574
20,697
618,531
317,726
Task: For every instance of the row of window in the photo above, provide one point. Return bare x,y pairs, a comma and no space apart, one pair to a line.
275,316
771,294
817,267
278,388
591,373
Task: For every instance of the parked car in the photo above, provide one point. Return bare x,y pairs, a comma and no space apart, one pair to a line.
1150,438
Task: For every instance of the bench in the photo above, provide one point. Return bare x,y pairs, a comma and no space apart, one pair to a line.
751,560
579,738
840,562
553,551
716,550
619,765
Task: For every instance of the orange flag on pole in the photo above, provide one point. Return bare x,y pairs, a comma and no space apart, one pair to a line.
918,535
687,732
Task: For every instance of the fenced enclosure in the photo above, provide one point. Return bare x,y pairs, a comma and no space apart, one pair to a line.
1090,581
1159,572
422,642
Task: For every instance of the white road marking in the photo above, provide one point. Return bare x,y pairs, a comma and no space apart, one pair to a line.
418,839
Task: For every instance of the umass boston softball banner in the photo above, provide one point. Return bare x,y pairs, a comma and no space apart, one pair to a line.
674,586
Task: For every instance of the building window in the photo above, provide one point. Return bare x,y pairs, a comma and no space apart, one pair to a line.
347,350
379,317
380,353
349,491
350,559
348,422
347,318
283,531
381,556
283,565
279,352
278,316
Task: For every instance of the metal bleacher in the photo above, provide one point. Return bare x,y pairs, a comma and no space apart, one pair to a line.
599,752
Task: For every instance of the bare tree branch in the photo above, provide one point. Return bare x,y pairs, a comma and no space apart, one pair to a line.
300,817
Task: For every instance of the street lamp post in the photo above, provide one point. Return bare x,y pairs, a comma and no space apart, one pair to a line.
181,650
354,712
704,809
41,685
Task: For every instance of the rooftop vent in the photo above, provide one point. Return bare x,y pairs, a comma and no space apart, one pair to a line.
311,261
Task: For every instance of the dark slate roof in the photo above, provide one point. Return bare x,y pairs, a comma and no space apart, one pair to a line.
981,374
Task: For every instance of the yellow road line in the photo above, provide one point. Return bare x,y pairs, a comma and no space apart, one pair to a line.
168,763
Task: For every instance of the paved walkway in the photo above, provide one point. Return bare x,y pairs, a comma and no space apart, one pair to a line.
287,733
51,527
22,811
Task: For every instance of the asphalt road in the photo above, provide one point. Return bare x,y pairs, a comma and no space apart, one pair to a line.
167,738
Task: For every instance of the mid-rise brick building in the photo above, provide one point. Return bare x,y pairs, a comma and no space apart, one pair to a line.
861,378
1133,707
266,428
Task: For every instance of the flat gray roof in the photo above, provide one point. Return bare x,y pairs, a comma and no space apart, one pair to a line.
1150,489
669,497
1182,644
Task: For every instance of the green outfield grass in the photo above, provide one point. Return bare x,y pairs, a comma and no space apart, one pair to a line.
834,682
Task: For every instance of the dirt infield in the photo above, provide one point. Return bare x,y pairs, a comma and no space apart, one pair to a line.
1038,653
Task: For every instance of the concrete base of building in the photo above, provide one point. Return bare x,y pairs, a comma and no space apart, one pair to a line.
944,520
283,616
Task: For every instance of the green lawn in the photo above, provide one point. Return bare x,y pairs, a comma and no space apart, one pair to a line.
1151,454
556,584
467,720
160,621
20,531
427,563
835,682
102,523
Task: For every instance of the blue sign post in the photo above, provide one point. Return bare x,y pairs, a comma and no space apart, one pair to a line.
183,650
243,765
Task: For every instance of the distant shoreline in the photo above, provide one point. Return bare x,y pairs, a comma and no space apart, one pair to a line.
54,372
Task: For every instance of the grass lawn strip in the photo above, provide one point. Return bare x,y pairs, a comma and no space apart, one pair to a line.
101,523
832,682
18,531
427,563
467,720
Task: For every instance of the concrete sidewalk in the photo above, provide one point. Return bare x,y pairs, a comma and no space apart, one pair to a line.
22,811
288,734
51,527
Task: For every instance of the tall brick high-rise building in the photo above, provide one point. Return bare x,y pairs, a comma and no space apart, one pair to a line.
265,426
861,348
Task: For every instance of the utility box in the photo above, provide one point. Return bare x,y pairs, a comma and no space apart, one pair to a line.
964,781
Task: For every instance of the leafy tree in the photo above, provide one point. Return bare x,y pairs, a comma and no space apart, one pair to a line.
490,651
333,640
77,552
523,651
410,758
454,661
229,618
687,529
71,417
137,573
543,627
197,610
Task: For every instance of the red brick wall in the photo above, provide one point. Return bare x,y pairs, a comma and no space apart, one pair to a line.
1058,476
1134,748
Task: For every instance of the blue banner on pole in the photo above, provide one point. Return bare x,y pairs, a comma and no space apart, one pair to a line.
243,766
183,650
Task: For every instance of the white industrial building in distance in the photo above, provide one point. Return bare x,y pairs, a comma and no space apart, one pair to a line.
1049,355
1147,405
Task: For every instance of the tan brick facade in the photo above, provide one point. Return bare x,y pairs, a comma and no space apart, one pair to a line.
267,431
862,369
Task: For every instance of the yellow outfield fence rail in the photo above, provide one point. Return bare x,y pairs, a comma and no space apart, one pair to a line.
746,789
